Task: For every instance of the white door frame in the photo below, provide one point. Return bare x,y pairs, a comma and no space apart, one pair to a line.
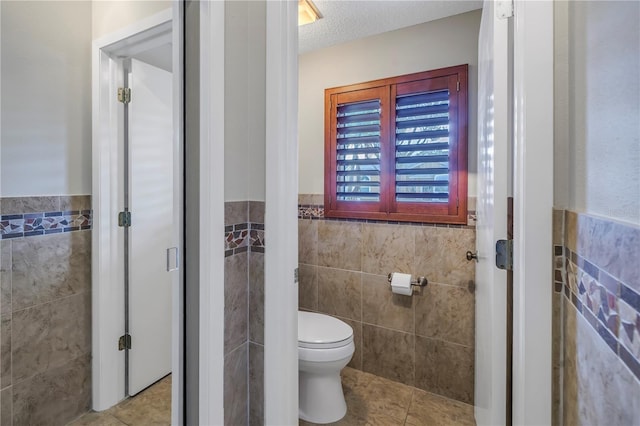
533,194
281,216
533,203
108,365
211,213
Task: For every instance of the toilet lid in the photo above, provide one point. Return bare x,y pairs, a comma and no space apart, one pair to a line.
322,331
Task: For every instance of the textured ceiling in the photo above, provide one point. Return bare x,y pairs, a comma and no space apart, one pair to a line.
346,20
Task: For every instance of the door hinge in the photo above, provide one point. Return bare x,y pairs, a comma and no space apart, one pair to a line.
504,9
295,276
458,85
124,219
504,254
124,95
124,342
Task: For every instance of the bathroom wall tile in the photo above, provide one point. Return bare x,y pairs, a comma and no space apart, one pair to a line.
6,407
308,287
629,333
75,202
304,199
558,226
235,386
310,199
40,204
308,241
381,307
611,246
445,368
5,351
556,357
441,255
598,387
340,293
569,369
5,276
429,409
256,385
50,267
256,297
10,205
356,359
50,335
340,245
56,396
447,313
236,298
388,353
15,205
256,211
236,212
387,248
571,230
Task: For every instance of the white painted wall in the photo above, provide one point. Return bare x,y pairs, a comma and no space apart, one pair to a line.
245,26
111,15
46,98
46,101
436,44
599,120
257,100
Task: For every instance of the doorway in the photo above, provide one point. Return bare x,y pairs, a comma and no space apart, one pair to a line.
137,239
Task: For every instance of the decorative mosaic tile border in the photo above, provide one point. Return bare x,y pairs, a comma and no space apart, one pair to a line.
44,223
316,212
609,305
243,237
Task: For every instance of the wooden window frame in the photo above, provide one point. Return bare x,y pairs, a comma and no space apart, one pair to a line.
455,210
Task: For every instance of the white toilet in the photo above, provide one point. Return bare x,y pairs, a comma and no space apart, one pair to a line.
325,347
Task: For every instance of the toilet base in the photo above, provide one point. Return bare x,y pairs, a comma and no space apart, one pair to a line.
321,397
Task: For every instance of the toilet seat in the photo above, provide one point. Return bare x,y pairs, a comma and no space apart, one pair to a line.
319,331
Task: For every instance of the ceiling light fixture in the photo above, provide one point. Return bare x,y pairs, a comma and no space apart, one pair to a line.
307,12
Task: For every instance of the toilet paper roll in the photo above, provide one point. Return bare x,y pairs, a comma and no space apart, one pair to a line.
401,284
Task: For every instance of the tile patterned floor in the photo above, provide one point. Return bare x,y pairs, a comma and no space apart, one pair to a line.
151,407
373,400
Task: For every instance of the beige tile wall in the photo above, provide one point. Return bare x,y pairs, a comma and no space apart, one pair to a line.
45,341
244,323
426,340
596,321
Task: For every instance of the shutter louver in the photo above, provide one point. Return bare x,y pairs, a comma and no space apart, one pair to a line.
358,151
422,147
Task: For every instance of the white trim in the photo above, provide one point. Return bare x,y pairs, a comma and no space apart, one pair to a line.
117,40
107,239
106,243
281,256
177,322
211,261
533,202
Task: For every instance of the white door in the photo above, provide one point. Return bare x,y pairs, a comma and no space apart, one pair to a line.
493,175
150,235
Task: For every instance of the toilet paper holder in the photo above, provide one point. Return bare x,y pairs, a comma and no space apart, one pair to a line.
418,282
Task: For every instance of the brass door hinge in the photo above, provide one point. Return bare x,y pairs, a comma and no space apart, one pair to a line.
124,342
504,254
124,95
124,219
